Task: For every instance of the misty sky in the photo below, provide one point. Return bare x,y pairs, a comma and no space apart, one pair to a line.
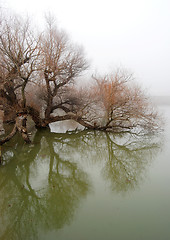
133,34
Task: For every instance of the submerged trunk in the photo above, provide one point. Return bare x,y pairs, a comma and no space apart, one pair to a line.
20,126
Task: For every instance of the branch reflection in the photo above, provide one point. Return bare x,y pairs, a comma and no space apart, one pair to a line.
42,184
128,162
38,189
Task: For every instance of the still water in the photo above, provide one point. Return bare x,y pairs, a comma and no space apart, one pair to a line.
85,186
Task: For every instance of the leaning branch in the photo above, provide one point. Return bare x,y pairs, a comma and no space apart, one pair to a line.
18,127
70,116
7,138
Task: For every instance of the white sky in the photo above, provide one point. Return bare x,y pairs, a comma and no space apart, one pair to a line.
134,34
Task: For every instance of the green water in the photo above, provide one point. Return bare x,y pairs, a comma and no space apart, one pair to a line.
86,185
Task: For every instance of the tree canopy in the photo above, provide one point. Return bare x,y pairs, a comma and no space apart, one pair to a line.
38,76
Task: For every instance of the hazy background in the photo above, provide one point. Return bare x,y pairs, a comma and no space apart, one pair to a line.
134,34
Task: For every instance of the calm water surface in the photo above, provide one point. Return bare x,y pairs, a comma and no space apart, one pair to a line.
86,185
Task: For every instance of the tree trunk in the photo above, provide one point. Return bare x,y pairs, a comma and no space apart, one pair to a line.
0,156
7,138
20,126
35,115
49,99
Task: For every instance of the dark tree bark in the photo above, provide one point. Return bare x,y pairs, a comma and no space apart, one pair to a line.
20,126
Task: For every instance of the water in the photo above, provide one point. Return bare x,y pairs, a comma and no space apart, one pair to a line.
86,185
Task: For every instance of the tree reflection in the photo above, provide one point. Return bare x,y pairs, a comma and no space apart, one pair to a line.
28,206
127,163
125,158
41,185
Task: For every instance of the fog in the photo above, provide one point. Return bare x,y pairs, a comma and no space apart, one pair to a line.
133,34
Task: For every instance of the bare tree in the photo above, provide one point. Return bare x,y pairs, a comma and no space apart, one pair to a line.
125,106
62,64
19,53
38,75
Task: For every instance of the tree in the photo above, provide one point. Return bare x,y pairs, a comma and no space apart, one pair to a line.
124,104
62,63
38,76
47,60
19,54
